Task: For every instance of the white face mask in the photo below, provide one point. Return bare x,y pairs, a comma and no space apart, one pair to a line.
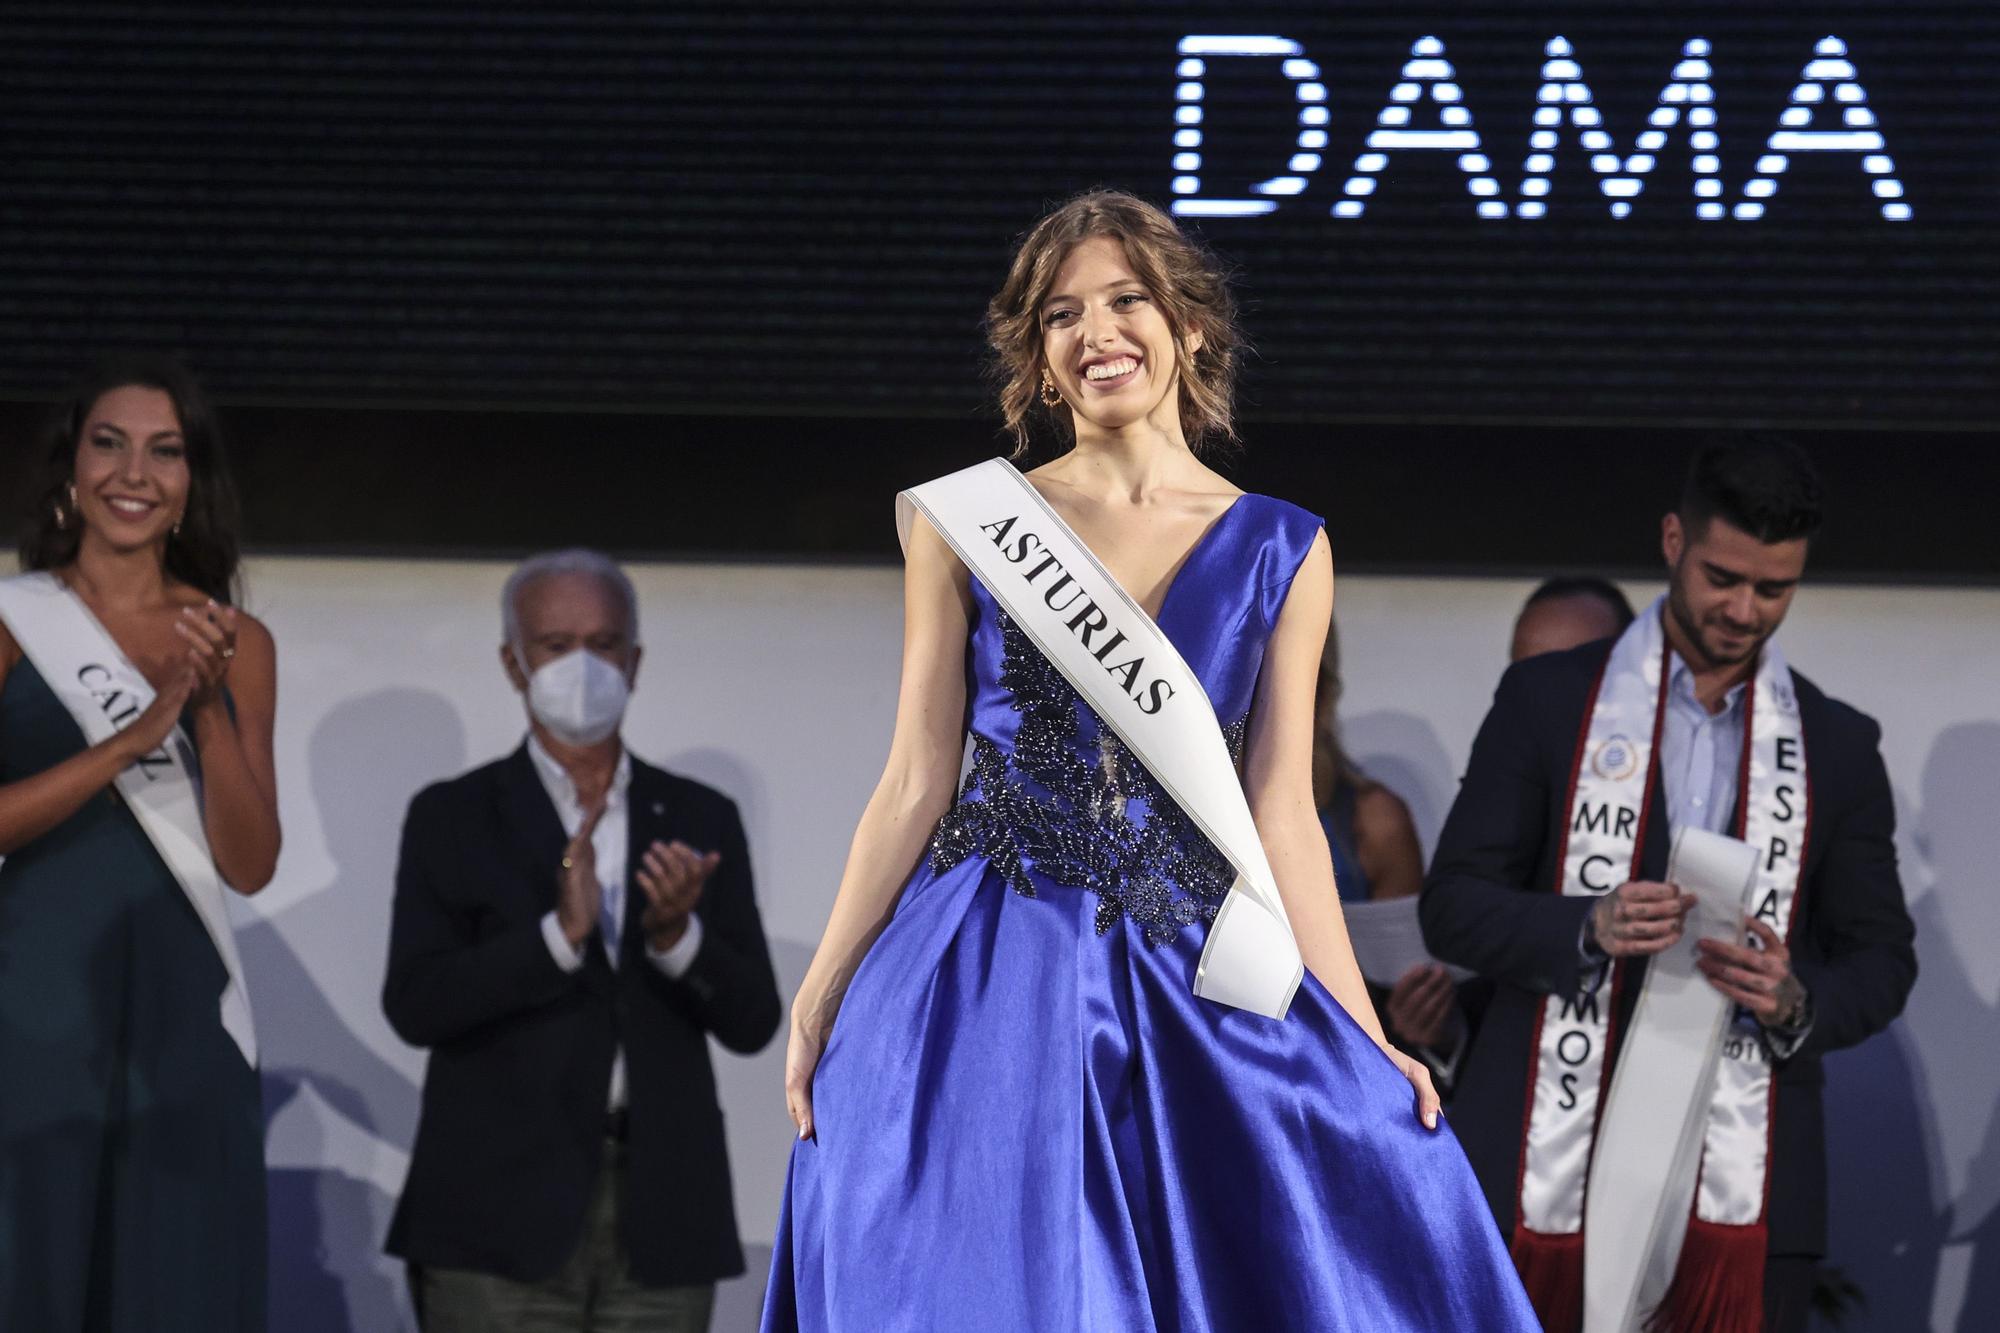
579,697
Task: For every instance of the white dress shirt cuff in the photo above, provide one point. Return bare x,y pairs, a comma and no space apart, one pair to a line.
567,958
678,957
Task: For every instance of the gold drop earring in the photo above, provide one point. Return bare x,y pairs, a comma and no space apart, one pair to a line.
1051,396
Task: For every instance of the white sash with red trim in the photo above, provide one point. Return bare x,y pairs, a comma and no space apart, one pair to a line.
104,692
1719,1272
1139,686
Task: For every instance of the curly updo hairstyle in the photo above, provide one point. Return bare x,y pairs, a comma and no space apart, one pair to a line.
204,553
1185,282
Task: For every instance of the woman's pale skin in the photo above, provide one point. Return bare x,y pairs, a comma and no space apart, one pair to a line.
1138,497
132,485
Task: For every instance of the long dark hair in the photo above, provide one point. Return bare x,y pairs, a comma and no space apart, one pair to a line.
204,553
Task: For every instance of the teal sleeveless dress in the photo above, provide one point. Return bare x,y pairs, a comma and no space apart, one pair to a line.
131,1129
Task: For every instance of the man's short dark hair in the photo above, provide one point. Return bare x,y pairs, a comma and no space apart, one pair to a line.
1764,484
1584,585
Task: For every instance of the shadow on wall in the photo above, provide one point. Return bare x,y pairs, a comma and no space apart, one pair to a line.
1886,1226
1891,1112
1402,752
339,1118
726,772
327,1273
1961,838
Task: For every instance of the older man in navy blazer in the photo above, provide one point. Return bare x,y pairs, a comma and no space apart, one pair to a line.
1837,969
571,926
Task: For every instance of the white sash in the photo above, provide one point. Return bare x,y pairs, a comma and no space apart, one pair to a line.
1649,1143
1132,677
104,692
1713,1114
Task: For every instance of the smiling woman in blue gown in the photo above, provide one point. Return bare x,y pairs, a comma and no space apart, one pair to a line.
1013,1112
131,1130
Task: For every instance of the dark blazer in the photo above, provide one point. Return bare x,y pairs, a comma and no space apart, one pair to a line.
512,1132
1490,904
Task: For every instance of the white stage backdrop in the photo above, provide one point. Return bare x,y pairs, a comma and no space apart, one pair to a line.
776,683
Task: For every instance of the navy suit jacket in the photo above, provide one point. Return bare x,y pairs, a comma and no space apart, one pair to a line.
512,1131
1490,904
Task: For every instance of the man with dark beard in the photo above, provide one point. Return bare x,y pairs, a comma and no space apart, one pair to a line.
1548,881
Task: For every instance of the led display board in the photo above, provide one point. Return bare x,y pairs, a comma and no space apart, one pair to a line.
1498,212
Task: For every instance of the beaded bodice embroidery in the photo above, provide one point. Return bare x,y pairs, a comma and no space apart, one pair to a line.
1072,802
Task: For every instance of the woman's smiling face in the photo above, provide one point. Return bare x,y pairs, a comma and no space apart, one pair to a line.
1106,344
131,477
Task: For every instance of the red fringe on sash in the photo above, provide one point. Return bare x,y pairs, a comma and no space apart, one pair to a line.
1718,1286
1551,1269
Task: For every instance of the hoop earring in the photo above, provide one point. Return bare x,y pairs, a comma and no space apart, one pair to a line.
1051,396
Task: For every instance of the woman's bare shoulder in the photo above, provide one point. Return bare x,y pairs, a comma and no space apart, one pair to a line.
1379,810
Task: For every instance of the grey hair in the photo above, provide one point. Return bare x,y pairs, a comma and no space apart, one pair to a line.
576,560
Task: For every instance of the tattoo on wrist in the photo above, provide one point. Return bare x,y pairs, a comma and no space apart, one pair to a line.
1791,998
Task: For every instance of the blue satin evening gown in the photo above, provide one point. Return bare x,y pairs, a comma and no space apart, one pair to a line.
1025,1118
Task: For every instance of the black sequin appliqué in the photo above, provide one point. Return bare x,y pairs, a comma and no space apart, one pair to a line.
1066,812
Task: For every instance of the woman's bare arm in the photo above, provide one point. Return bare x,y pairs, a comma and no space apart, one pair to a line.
918,781
1278,781
238,773
34,805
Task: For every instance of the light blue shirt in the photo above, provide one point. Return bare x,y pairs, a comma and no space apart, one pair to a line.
1701,753
1701,756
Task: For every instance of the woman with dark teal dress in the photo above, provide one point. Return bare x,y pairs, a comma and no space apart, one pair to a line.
131,1157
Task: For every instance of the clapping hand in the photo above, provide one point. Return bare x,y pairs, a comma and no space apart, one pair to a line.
210,631
672,875
149,731
578,894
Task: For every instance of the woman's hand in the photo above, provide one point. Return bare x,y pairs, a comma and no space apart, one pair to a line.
1419,1075
149,731
210,631
802,1051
